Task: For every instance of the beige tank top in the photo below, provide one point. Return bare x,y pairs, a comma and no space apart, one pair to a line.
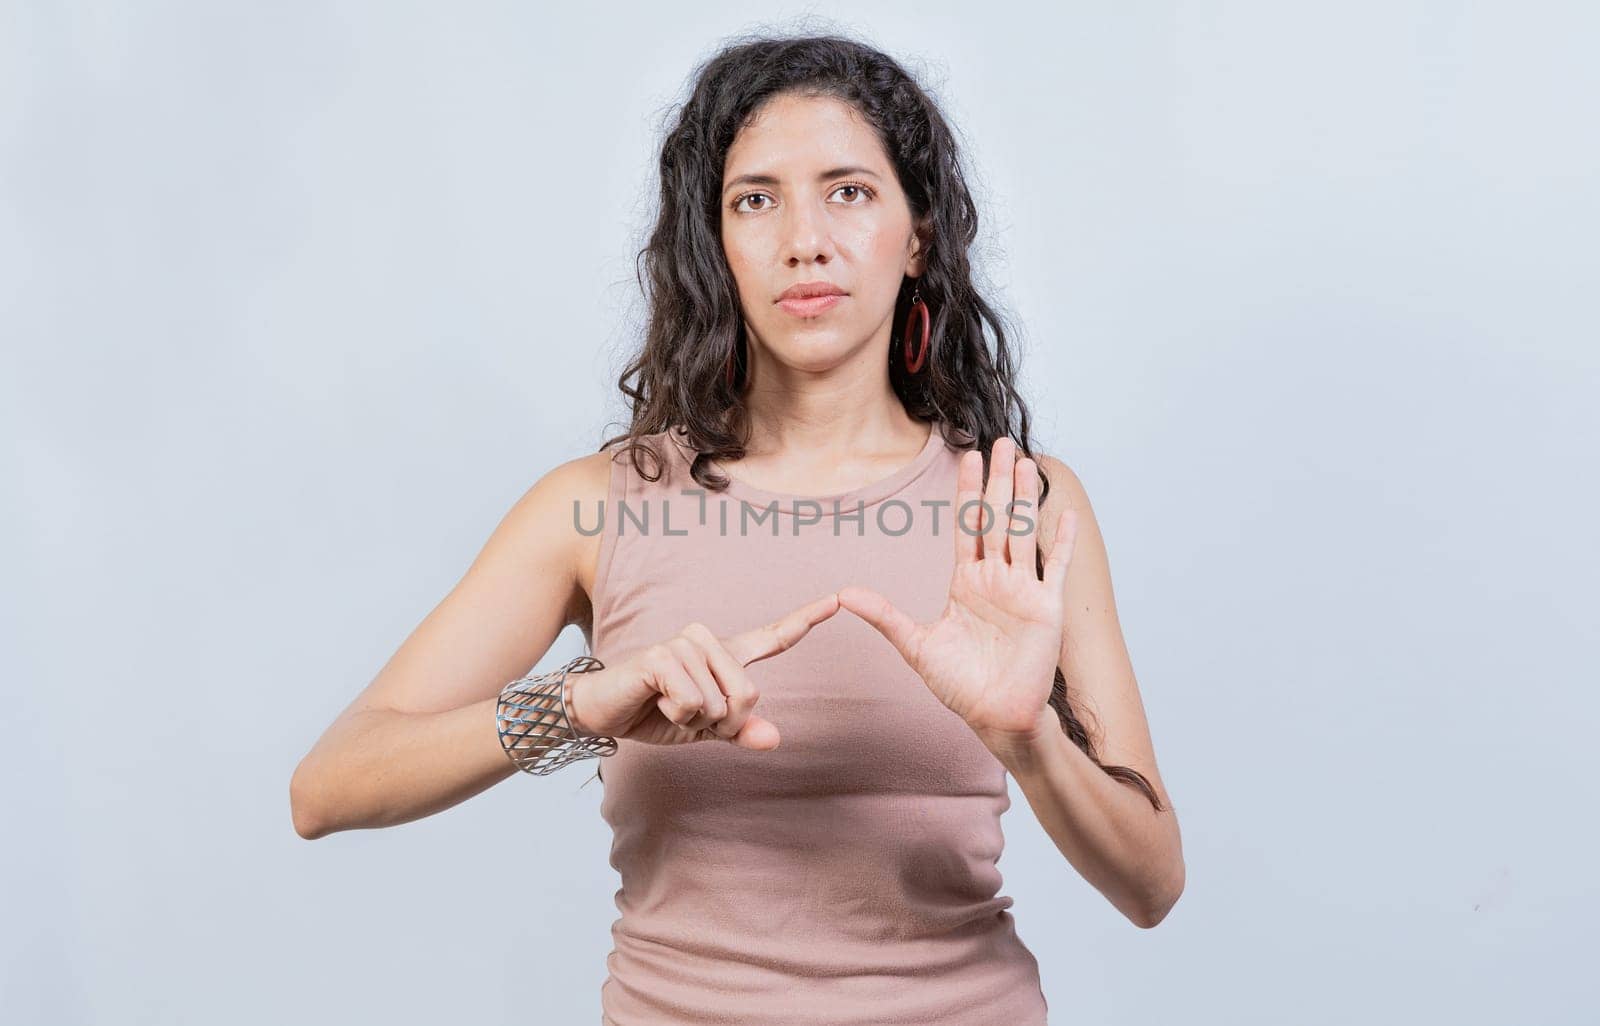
849,875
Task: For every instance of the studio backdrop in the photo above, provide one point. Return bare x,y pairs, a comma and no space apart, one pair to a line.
296,300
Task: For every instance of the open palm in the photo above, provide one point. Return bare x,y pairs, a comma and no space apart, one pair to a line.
991,655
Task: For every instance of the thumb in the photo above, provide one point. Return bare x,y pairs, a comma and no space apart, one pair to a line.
758,735
881,614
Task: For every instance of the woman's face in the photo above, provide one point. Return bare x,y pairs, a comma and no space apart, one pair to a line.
808,195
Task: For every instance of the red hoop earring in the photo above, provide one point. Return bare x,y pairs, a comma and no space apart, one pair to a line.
918,308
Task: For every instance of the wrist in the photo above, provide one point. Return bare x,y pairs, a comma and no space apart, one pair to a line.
538,730
569,702
1020,750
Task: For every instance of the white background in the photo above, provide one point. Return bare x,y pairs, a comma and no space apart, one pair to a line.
296,299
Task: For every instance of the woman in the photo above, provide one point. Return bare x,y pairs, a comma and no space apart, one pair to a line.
805,806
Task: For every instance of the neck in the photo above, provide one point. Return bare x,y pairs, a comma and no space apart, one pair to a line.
823,427
842,411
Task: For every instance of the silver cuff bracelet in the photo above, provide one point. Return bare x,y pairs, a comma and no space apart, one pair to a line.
533,723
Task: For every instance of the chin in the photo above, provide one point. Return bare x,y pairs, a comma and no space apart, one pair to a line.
813,352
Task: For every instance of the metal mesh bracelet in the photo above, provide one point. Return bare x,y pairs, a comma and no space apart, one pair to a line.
533,724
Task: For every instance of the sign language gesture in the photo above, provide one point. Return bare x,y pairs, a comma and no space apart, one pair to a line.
991,655
691,686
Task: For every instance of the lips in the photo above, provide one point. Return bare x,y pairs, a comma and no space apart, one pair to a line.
811,290
810,298
811,307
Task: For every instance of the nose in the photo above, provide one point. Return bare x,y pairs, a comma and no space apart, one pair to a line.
806,234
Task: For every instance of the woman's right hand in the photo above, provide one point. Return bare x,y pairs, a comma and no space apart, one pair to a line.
690,687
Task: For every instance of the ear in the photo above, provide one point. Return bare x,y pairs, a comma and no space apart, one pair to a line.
921,240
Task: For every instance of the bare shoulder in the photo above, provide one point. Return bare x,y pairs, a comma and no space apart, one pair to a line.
545,510
523,587
583,477
1066,489
551,511
538,538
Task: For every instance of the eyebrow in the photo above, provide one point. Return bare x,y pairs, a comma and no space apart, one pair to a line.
832,172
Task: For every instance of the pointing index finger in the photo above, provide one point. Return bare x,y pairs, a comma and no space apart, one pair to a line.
781,634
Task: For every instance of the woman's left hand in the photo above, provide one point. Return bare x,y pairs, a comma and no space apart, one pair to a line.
991,655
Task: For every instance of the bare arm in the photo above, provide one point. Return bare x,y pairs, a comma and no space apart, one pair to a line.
422,737
1123,847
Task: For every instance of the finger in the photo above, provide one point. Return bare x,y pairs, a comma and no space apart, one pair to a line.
1002,466
969,492
782,633
1024,509
737,688
681,697
1055,568
881,614
713,704
758,734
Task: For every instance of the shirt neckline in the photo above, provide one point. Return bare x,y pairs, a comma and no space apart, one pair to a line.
846,501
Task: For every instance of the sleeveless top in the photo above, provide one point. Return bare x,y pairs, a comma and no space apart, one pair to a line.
849,875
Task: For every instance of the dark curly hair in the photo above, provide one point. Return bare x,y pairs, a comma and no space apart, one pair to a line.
677,379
